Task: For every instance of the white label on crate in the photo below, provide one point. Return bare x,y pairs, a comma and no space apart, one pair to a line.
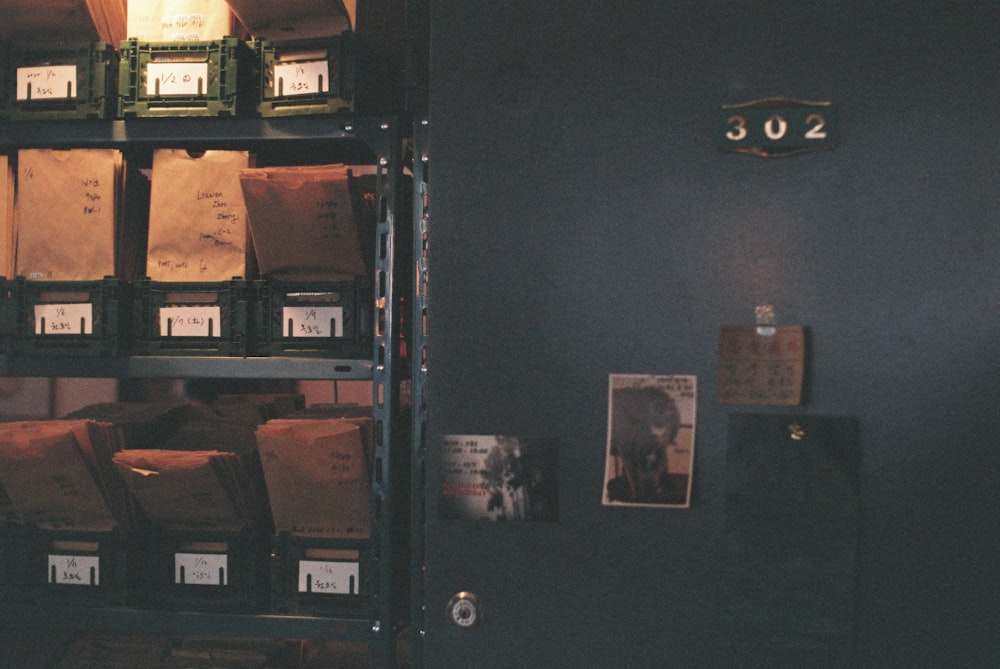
75,569
312,321
200,568
190,321
46,82
64,319
176,78
328,578
308,78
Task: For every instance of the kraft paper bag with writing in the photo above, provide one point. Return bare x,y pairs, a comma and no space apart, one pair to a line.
197,217
307,223
179,20
6,218
179,489
49,483
317,477
66,208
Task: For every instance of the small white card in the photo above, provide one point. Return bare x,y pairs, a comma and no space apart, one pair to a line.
328,578
308,78
190,322
313,321
176,78
64,319
201,568
47,82
75,569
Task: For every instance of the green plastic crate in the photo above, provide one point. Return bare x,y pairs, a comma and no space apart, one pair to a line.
331,319
77,318
308,76
211,78
214,315
72,82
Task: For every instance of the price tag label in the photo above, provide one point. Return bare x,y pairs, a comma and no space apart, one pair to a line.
176,79
328,578
308,78
64,319
190,322
75,569
201,568
49,82
313,321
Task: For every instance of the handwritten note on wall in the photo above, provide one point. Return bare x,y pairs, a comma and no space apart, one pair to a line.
67,207
197,217
761,368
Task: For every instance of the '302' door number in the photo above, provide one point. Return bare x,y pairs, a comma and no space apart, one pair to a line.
778,127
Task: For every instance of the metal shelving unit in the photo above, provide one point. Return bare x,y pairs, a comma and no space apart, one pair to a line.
378,142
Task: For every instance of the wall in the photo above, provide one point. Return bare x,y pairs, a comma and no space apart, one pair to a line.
584,223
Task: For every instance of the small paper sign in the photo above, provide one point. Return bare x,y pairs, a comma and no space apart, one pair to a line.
200,568
313,321
64,319
328,578
307,78
761,365
190,321
74,569
176,78
49,82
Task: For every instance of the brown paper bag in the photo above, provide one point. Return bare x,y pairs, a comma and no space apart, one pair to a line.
317,477
295,19
197,217
306,224
180,489
7,230
49,481
179,20
66,209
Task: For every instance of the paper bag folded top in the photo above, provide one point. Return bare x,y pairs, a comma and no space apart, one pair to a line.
179,20
309,223
317,475
295,19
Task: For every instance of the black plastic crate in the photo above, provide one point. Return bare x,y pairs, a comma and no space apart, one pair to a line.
61,82
87,567
210,78
208,570
189,318
330,319
309,76
318,575
82,318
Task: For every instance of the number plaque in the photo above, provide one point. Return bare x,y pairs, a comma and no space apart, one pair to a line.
778,127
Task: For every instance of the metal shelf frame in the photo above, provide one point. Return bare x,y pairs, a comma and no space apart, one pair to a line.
375,141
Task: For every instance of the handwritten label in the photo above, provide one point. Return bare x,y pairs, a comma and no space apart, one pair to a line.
190,322
313,321
74,569
64,319
201,568
328,578
308,78
176,78
46,82
761,368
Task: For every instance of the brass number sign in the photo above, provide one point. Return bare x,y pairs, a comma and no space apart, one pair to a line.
778,127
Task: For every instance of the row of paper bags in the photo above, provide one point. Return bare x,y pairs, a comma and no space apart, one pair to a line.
211,217
157,464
